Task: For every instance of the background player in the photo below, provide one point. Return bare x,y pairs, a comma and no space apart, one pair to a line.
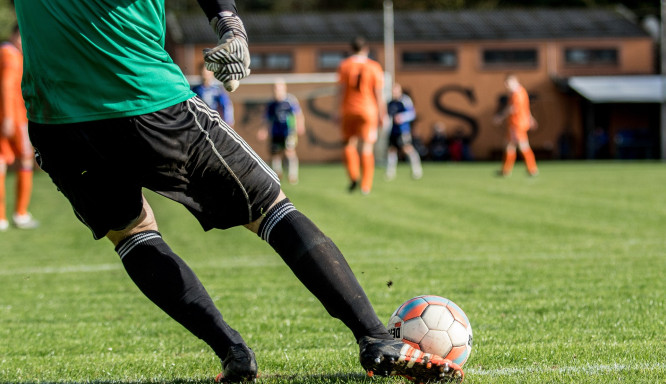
149,130
401,111
285,123
14,141
214,95
519,120
363,110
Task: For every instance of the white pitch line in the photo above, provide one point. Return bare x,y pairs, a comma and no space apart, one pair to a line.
247,261
588,369
67,269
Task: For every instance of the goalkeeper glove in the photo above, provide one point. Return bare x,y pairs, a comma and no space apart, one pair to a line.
230,59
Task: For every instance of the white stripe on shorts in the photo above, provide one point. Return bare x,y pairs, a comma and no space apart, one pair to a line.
197,104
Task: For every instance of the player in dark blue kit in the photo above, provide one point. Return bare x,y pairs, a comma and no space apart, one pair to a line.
285,123
214,95
147,129
401,111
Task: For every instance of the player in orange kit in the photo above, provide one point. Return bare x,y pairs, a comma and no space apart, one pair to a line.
363,110
14,141
519,120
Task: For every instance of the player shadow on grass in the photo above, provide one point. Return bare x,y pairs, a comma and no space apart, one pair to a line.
319,379
337,378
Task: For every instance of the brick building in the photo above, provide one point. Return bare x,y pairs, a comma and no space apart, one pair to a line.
590,74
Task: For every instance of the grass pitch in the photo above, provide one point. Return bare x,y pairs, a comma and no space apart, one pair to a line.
562,276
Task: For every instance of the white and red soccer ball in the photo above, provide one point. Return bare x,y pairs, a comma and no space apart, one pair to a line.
435,325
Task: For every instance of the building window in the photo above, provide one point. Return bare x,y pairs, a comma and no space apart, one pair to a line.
591,56
329,60
510,58
446,59
271,62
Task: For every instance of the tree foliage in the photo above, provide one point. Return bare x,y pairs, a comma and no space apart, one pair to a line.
640,7
7,19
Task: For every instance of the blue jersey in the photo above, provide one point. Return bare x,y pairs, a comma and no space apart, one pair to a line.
281,115
404,108
218,99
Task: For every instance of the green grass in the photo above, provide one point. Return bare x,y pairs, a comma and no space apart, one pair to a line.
562,276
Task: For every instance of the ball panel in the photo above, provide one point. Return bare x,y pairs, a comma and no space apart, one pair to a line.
437,342
459,355
436,300
395,321
458,334
412,308
437,317
458,313
414,329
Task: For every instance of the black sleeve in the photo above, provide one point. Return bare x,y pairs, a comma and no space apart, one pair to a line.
212,7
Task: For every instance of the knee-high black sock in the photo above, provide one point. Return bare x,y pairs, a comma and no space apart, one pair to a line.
168,282
319,265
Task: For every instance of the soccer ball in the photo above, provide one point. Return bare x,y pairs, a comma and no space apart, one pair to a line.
434,325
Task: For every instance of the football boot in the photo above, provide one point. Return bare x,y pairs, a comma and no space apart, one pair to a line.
239,365
393,357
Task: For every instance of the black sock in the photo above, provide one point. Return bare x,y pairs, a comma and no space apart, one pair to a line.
319,265
168,282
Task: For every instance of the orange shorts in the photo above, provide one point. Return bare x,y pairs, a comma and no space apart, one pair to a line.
17,146
516,135
362,126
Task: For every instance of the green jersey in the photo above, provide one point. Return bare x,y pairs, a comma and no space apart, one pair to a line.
88,60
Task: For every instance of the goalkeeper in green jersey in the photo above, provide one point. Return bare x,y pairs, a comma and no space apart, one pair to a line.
110,114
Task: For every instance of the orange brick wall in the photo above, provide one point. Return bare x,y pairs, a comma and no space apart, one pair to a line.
464,98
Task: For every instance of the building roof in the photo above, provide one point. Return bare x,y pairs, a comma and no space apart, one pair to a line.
335,27
620,89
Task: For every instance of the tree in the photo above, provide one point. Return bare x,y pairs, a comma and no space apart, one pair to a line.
640,7
7,19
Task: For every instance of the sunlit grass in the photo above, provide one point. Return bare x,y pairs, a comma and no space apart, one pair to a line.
562,276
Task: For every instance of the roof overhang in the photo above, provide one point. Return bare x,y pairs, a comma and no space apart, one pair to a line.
620,89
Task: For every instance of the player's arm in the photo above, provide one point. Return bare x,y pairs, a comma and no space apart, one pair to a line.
298,114
300,122
213,7
409,114
381,100
340,89
230,59
534,124
267,122
262,132
506,112
384,121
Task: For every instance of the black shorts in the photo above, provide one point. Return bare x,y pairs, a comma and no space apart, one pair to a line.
400,140
184,152
279,144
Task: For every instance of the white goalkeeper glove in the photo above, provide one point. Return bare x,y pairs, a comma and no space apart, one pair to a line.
230,59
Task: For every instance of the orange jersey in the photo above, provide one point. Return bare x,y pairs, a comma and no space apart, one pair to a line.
519,118
12,105
11,71
359,77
